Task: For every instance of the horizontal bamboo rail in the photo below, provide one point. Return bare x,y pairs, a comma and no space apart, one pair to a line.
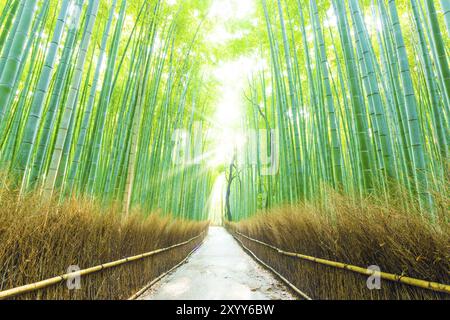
58,279
159,278
433,286
286,281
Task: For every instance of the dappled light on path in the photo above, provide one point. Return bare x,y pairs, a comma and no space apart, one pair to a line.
219,270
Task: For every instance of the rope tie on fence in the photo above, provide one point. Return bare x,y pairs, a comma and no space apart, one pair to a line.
433,286
58,279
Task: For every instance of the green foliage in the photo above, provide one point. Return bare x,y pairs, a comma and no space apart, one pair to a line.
358,94
90,98
94,109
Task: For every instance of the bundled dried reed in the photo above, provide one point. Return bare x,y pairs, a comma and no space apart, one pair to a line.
39,241
363,234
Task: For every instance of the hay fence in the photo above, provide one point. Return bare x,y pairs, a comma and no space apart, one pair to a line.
433,286
68,276
160,277
286,281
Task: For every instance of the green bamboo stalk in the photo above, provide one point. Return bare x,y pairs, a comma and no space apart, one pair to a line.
373,93
37,105
332,122
70,105
439,47
432,88
142,84
88,111
10,37
446,9
356,97
10,12
57,94
415,135
14,60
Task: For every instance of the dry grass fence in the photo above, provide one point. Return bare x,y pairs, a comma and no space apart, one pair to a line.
366,234
39,241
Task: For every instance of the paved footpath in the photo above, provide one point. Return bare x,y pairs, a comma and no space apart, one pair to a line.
219,270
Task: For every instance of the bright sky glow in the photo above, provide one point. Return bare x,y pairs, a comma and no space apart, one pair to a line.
222,11
226,135
216,200
220,34
372,23
231,9
233,78
330,19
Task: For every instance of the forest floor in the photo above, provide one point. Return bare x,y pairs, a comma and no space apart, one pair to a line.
219,270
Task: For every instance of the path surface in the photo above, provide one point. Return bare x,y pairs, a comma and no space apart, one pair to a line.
219,270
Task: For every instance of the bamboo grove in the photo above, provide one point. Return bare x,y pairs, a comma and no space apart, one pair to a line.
90,95
354,97
358,92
